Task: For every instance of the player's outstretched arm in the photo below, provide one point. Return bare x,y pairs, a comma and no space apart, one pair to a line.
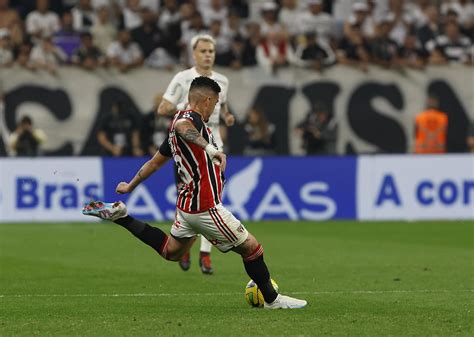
190,134
150,167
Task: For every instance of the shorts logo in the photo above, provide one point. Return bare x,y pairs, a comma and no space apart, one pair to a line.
177,224
241,229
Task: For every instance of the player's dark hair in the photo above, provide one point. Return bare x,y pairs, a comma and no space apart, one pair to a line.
203,82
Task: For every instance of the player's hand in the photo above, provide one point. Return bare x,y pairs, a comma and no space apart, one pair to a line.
222,158
229,119
123,188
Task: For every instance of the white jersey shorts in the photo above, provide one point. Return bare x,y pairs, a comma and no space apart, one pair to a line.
217,225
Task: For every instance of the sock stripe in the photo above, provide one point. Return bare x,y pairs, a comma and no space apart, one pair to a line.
255,255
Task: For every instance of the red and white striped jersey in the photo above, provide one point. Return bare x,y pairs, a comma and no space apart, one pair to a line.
201,180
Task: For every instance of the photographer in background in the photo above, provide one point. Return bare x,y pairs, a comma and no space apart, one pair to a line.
318,131
119,132
26,140
260,133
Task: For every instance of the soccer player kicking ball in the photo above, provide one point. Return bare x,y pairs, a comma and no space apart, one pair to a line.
199,209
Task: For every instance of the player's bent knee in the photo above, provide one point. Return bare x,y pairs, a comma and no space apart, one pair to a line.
248,247
175,249
173,255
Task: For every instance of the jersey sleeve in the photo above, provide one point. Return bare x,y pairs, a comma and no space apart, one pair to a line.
175,91
165,148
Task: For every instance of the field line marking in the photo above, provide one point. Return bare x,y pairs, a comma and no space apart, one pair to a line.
339,292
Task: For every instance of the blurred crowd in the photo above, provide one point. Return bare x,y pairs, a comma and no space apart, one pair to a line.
315,34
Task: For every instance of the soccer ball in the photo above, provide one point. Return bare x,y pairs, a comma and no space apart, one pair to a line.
254,296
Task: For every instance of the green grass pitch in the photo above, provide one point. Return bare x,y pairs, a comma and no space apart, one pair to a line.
360,279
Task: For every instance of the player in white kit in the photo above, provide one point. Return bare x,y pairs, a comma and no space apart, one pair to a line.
176,98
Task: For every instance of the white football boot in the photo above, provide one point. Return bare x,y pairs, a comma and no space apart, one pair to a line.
285,302
106,210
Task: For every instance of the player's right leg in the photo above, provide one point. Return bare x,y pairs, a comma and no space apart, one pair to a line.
255,266
169,247
226,232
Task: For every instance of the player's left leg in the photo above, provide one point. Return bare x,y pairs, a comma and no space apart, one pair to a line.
168,246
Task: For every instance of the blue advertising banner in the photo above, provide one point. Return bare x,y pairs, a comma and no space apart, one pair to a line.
391,187
415,187
48,189
293,188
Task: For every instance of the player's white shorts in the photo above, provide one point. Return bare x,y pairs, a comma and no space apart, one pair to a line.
218,225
